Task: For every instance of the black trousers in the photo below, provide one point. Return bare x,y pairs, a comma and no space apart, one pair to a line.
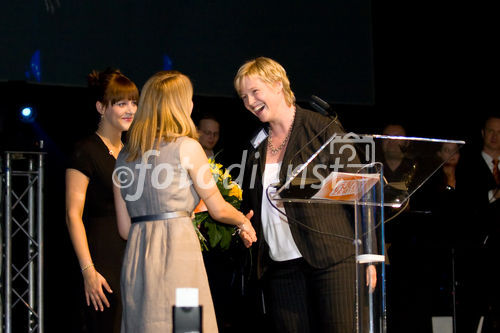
300,298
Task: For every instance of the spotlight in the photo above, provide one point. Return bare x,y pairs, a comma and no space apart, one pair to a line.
27,114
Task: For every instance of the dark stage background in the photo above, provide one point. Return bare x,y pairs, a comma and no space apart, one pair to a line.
326,45
374,62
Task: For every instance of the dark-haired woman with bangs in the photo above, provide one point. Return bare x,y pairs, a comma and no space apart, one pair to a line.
90,212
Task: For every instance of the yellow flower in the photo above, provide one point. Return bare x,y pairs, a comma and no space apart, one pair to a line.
236,191
215,170
219,235
226,175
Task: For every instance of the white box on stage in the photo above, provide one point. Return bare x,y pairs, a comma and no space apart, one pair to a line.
187,312
442,324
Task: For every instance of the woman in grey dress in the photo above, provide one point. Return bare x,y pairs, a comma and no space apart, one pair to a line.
159,178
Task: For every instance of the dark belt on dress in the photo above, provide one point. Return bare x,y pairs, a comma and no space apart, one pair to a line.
162,216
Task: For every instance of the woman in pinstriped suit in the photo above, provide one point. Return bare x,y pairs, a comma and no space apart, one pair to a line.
305,258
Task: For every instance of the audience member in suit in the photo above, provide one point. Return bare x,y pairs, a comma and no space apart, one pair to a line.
209,132
305,256
483,231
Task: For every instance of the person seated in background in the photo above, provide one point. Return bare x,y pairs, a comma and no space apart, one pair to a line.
209,133
407,293
397,167
441,225
450,155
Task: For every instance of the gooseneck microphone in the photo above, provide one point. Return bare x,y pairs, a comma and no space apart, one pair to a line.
321,106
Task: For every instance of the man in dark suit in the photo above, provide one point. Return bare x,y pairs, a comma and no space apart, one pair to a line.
305,256
482,234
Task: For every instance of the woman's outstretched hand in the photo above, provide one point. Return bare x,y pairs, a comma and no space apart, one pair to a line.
247,232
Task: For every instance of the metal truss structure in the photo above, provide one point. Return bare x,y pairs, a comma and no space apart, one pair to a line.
22,249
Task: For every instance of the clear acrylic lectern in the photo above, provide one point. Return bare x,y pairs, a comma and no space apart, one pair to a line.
365,173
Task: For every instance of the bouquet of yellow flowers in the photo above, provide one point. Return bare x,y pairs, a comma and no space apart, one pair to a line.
219,234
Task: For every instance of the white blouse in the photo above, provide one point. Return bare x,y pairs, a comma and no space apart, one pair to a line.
274,224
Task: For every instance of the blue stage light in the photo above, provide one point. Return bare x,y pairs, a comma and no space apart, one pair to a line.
34,71
36,68
167,63
27,114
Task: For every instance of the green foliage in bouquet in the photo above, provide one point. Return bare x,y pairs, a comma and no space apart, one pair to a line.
219,234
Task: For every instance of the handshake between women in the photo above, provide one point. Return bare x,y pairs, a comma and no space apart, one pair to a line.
246,231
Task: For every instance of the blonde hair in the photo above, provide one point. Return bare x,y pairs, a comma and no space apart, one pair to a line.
269,71
163,113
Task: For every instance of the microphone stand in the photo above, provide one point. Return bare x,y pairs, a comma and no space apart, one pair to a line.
453,290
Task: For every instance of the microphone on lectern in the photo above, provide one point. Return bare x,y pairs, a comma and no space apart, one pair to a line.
321,106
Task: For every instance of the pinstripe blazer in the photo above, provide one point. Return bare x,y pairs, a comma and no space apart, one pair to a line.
323,233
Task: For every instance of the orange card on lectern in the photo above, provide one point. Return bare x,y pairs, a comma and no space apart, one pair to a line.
346,186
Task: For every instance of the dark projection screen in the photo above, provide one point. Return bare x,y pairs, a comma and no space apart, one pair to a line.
325,46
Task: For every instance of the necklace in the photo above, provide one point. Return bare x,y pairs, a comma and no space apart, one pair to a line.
108,144
112,153
275,150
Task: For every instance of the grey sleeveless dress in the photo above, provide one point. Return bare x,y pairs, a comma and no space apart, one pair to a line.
160,255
